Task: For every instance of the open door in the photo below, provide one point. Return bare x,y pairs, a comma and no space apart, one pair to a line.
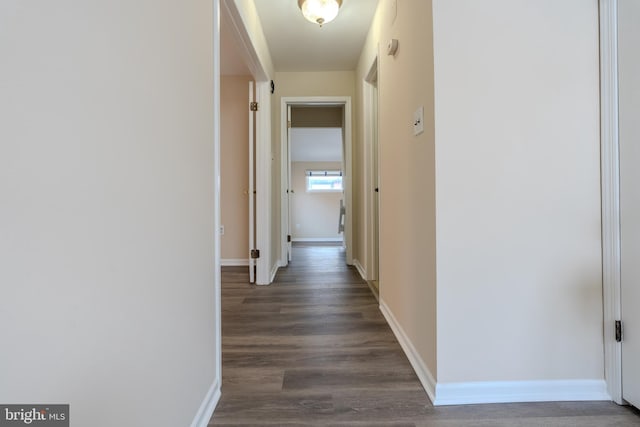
252,186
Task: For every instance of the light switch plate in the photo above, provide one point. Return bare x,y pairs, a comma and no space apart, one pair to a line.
418,121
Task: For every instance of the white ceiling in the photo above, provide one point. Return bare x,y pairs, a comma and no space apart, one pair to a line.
316,144
299,45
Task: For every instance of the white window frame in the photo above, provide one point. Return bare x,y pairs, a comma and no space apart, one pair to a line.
328,172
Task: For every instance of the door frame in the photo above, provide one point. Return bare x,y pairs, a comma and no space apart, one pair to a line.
230,12
251,193
610,184
347,178
289,192
370,131
217,308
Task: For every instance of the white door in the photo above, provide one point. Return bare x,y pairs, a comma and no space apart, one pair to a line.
376,183
629,102
373,186
251,192
289,186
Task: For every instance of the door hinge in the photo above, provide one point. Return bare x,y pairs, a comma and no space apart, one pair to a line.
288,238
255,253
618,331
253,106
289,124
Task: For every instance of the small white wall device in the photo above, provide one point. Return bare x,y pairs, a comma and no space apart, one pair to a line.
392,47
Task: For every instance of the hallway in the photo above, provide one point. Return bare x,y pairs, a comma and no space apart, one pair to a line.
313,349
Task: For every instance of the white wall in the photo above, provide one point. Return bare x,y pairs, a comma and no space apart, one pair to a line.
407,172
517,184
107,218
314,215
490,268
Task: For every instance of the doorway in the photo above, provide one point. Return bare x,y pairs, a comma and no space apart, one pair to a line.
245,181
372,178
316,165
340,216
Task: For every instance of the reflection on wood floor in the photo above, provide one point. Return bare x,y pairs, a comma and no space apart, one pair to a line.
313,349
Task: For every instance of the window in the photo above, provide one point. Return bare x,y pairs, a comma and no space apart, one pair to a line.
329,180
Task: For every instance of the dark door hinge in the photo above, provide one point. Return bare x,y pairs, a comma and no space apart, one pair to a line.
255,253
618,331
288,238
253,106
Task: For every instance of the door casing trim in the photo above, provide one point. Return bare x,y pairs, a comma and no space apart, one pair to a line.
610,184
348,172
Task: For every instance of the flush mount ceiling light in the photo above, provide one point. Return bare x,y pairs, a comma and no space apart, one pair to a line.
320,11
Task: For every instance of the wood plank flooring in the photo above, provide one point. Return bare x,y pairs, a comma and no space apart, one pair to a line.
313,349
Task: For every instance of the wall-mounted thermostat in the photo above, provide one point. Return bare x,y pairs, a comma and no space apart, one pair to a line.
392,47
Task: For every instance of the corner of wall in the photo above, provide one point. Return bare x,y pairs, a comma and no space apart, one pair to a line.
274,269
427,379
361,270
208,406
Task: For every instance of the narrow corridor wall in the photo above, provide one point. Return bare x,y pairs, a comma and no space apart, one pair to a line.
107,222
407,171
490,219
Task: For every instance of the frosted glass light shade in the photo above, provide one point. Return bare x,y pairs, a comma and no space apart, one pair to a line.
320,11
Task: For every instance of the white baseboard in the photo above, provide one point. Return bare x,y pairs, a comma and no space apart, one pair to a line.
274,271
520,391
317,239
208,405
423,373
494,391
360,269
231,262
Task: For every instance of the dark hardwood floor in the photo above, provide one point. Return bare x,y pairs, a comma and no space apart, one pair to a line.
313,349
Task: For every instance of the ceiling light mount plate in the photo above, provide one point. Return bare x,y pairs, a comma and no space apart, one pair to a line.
320,11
